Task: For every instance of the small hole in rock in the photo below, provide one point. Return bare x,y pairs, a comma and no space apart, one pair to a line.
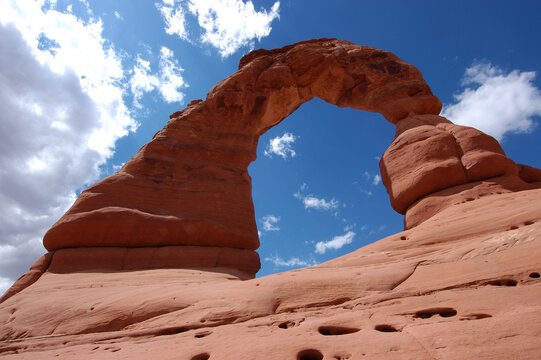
386,328
428,313
513,227
309,354
202,356
448,313
202,334
476,316
336,330
535,275
503,282
286,325
403,238
470,199
528,223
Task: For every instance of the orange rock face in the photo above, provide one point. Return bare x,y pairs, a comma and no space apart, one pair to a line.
190,186
433,163
158,260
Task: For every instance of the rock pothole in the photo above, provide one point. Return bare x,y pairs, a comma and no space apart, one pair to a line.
475,316
535,275
286,324
428,313
503,282
202,356
386,328
202,334
337,330
310,354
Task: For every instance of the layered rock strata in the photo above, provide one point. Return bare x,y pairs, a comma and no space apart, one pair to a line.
148,262
190,186
433,163
463,284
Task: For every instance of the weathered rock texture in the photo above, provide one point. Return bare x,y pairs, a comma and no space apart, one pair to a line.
149,263
190,186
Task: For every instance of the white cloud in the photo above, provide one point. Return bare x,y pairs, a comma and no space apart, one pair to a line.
292,262
269,223
173,15
118,16
62,106
496,102
226,24
118,167
171,80
142,80
375,179
231,24
281,145
313,202
336,243
5,284
168,80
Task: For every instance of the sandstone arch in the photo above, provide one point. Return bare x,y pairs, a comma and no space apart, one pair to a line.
189,190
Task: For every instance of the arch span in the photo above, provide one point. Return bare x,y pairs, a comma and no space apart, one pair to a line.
189,187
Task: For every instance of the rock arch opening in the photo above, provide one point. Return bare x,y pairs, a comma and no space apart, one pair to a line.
330,190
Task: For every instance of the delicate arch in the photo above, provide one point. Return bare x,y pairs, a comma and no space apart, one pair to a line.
189,187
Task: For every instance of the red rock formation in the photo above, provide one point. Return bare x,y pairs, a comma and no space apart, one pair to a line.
432,164
463,284
148,262
190,186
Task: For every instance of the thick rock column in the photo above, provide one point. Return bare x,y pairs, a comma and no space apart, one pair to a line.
432,164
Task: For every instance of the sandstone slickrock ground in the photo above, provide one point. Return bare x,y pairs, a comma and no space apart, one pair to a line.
157,261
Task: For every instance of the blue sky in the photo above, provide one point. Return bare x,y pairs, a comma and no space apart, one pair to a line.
84,84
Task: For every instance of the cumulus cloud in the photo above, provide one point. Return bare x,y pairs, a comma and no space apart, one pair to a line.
291,262
281,146
62,111
231,24
496,102
269,223
174,16
142,81
171,80
336,243
312,202
168,80
226,24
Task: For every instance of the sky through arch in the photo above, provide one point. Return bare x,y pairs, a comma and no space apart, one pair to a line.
337,148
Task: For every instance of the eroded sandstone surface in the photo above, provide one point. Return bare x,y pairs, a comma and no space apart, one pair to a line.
158,260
